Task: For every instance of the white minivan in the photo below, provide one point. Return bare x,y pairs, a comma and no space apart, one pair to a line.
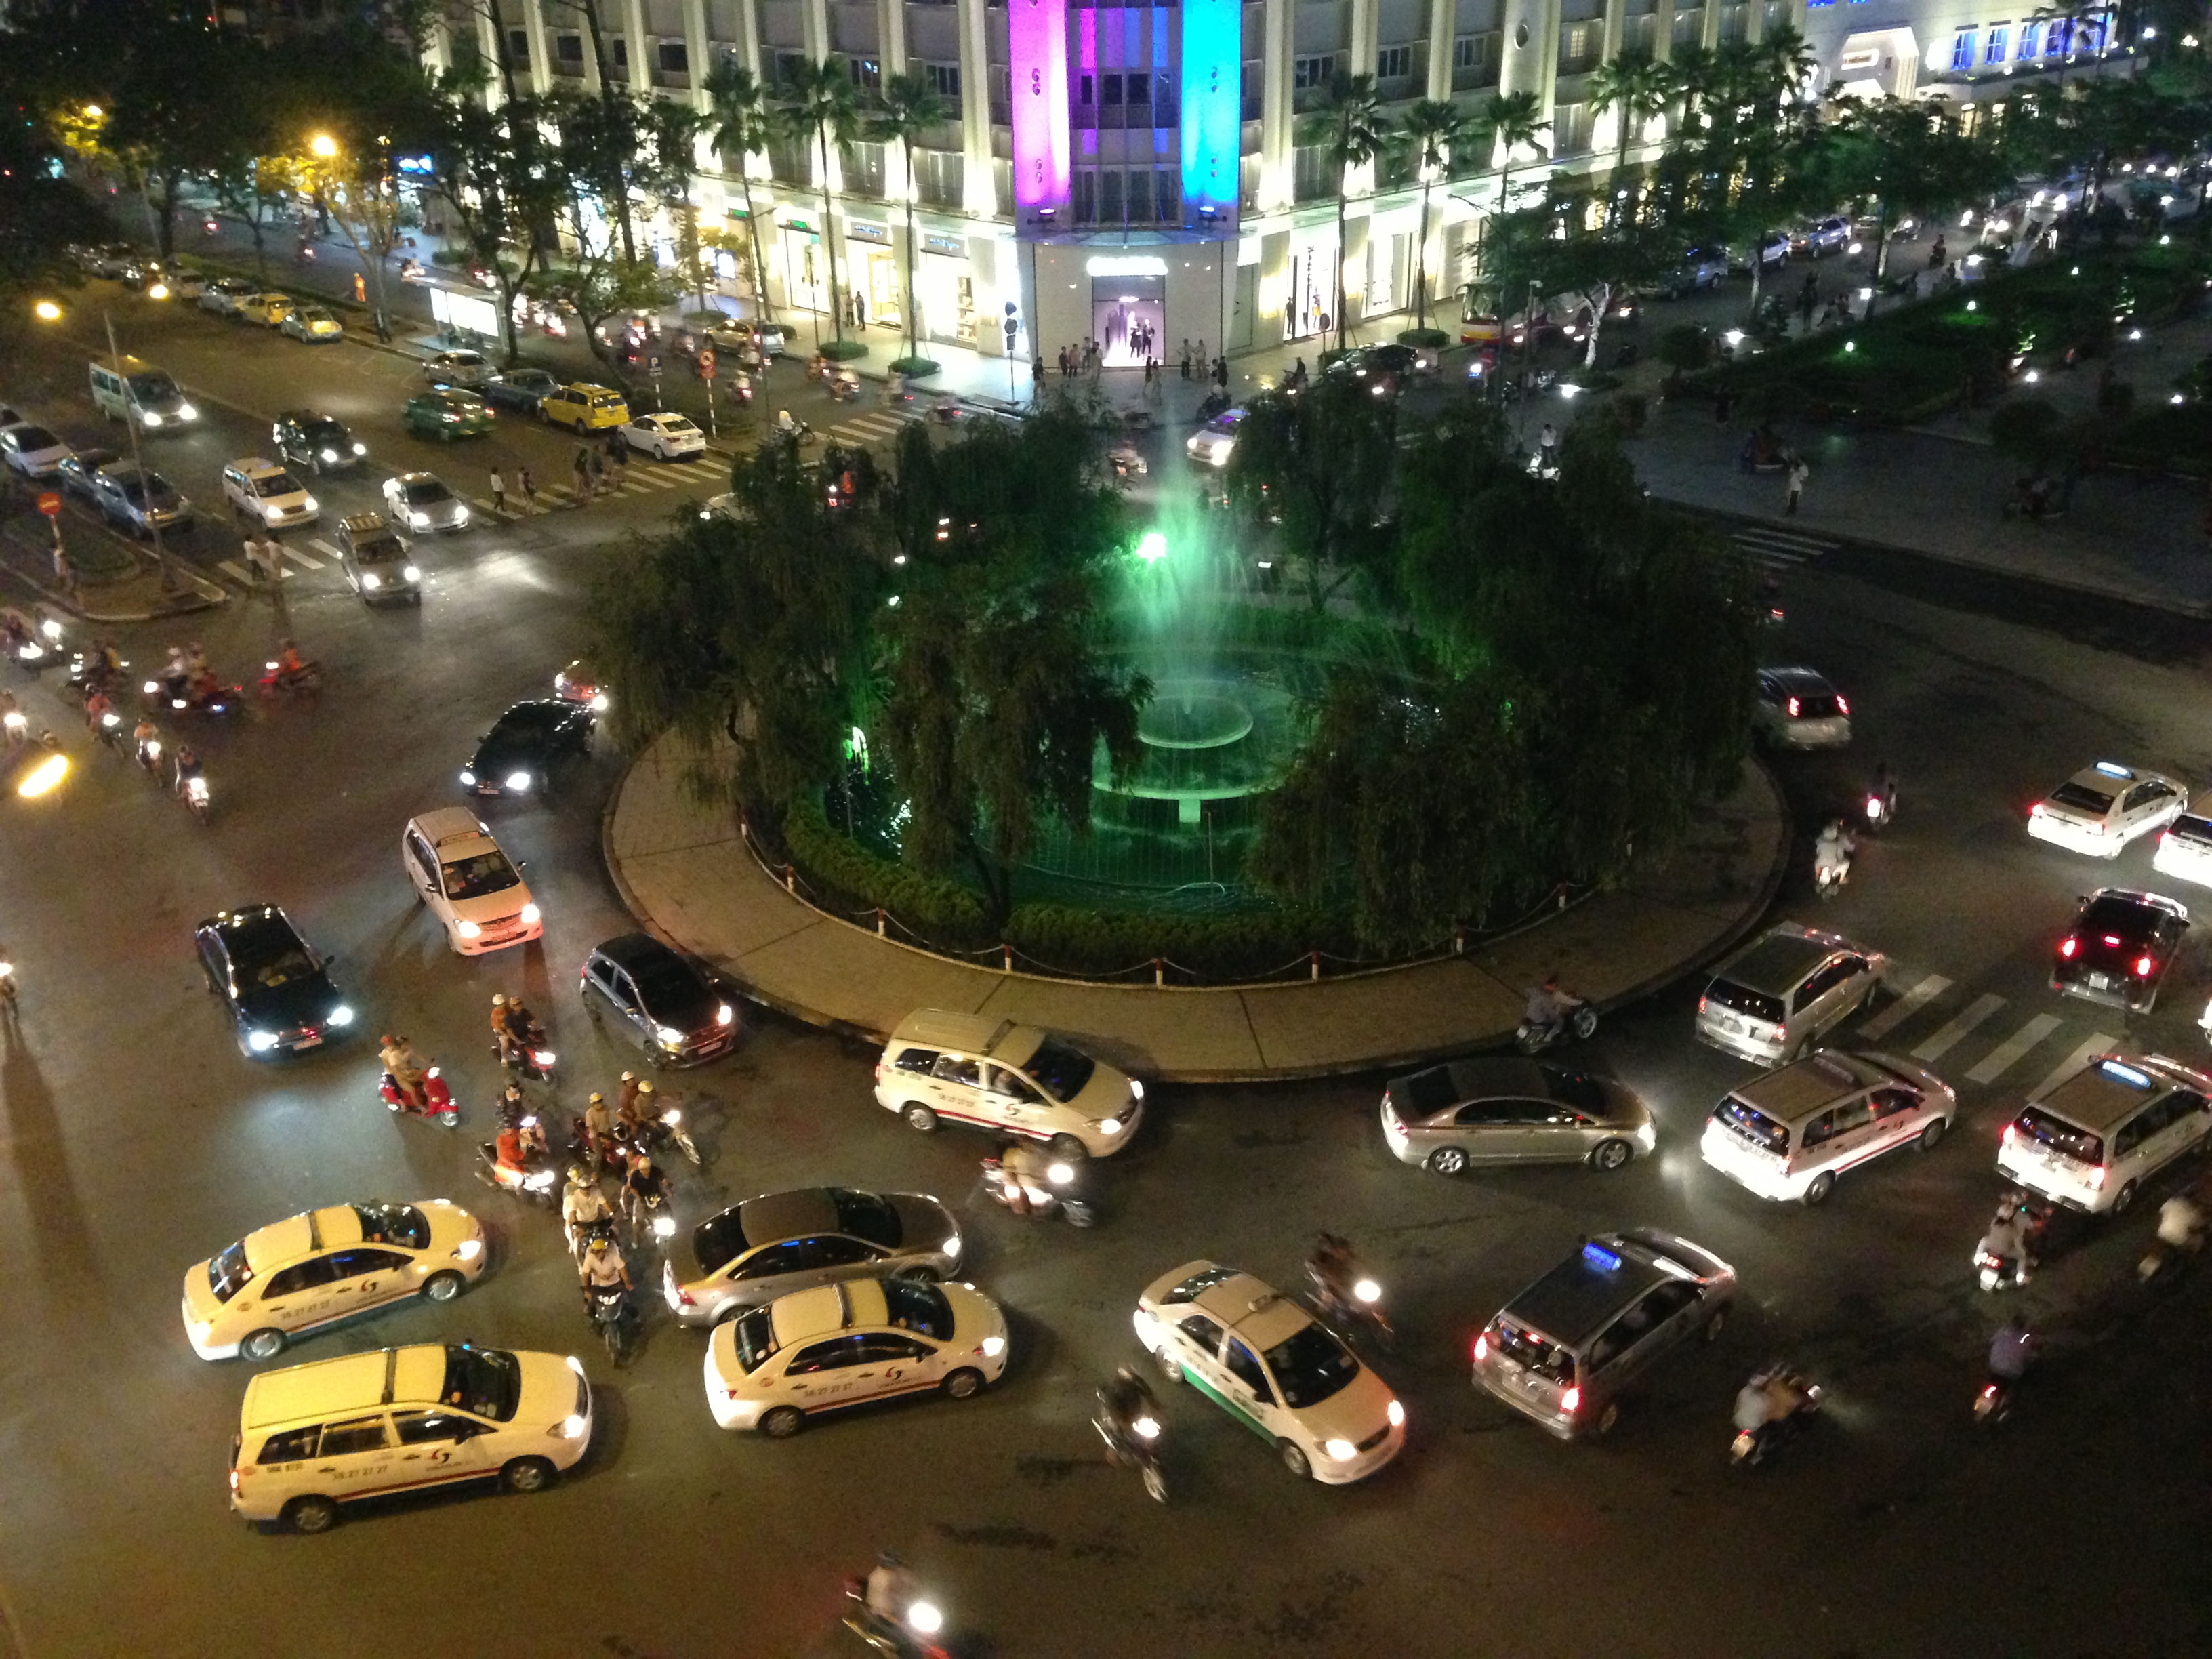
136,392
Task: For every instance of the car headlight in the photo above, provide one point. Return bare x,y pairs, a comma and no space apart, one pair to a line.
669,1036
330,454
342,1015
952,1247
724,1013
994,1346
152,418
261,1041
1396,1412
1111,1125
467,777
468,1249
531,915
1342,1450
372,581
419,520
467,929
518,779
572,1427
411,572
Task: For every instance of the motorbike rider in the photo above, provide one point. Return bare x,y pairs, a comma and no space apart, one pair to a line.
2007,1237
1832,853
1548,1007
406,1069
602,1267
582,1204
644,1182
1025,1178
1126,1400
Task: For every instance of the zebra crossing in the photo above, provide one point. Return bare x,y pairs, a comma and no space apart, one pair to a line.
2041,1037
1778,550
877,426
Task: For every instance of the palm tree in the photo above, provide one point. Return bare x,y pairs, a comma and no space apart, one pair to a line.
1423,141
820,106
1349,127
1639,88
910,106
743,127
1507,123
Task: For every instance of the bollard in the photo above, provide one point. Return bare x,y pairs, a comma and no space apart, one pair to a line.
1159,970
1314,956
879,921
1006,958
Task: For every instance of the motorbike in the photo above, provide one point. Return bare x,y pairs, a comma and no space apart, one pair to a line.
1040,1201
533,1059
905,1638
437,1099
1140,1447
308,676
1753,1446
1580,1021
1362,1307
195,789
533,1183
1994,1272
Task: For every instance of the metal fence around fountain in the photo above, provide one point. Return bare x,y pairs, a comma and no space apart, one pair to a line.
1161,971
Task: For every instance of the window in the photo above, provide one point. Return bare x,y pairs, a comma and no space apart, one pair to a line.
2000,40
1394,62
1309,73
1962,50
1244,1365
675,58
569,48
291,1446
427,1428
360,1434
2030,39
944,79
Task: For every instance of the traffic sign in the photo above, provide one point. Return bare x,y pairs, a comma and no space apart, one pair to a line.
49,503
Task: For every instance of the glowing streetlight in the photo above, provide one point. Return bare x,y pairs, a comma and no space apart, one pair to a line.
324,145
46,312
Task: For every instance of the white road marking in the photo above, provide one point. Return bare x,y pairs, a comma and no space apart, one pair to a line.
1972,1015
1905,1006
2010,1053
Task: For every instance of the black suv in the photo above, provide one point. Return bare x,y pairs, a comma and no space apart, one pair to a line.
678,1011
320,443
278,991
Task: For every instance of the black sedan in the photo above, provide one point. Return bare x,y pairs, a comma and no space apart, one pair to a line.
680,1013
317,441
519,388
2119,948
277,989
517,755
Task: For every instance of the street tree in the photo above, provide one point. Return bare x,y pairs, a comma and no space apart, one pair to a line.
820,107
909,107
1313,470
1348,126
1423,141
740,126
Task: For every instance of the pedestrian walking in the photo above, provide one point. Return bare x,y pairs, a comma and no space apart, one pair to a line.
528,482
498,490
1798,473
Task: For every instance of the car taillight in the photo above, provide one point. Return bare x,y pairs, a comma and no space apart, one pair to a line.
2144,965
1570,1400
1481,1348
2069,946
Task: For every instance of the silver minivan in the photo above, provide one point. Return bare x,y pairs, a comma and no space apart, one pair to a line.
1772,1000
1788,1135
136,392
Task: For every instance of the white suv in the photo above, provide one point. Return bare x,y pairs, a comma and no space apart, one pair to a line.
1015,1078
262,489
475,893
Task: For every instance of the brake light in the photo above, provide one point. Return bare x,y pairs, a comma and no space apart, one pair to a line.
1570,1400
1842,704
1481,1348
2144,966
2069,946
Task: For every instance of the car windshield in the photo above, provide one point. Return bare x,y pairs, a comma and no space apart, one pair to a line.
918,1307
756,1339
483,1381
1540,1354
2082,798
866,1216
393,1224
1310,1365
228,1274
1572,1088
425,492
1757,1004
1753,1125
2060,1136
276,483
154,386
475,876
1060,1071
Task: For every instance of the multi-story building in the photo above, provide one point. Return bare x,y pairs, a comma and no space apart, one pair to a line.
1139,171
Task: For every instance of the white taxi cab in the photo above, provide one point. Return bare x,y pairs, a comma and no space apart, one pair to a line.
315,1269
2101,808
1274,1368
1017,1079
468,883
844,1344
310,1438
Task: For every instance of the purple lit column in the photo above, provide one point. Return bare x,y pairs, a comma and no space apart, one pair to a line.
1036,39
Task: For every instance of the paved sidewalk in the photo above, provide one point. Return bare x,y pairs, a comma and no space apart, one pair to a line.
687,875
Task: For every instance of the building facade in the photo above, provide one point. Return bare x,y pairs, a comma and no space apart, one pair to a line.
1133,173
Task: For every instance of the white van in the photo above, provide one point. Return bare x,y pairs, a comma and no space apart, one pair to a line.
142,394
310,1438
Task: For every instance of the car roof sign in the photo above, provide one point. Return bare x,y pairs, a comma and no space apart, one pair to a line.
1600,1257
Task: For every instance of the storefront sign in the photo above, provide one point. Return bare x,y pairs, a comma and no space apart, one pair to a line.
1126,264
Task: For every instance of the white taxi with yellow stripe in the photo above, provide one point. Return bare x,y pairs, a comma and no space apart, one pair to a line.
313,1270
846,1344
1274,1368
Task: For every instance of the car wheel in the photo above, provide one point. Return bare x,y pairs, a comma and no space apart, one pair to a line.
526,1474
919,1116
1294,1460
265,1344
1068,1147
924,1275
1716,1325
783,1422
1610,1155
311,1515
2123,1200
442,1287
1447,1161
1823,1184
964,1382
1607,1417
1933,1133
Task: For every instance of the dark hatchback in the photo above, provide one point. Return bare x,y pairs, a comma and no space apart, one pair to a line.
517,755
2119,948
277,989
682,1014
